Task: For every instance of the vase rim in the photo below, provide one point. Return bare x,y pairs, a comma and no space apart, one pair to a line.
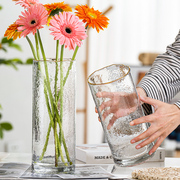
53,60
120,65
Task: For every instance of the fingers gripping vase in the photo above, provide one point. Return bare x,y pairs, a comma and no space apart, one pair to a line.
117,103
53,127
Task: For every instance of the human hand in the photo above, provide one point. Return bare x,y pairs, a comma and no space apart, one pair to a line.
163,121
119,103
141,92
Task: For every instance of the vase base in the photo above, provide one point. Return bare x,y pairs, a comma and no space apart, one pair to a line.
49,169
131,162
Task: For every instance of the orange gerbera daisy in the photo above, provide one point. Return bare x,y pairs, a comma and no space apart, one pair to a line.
92,18
12,32
55,8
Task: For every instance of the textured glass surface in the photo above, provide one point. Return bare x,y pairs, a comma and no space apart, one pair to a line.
117,103
53,141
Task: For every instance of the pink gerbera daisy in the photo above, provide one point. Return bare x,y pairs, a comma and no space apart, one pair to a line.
68,29
32,19
26,3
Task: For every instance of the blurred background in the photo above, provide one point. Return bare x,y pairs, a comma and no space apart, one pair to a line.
138,31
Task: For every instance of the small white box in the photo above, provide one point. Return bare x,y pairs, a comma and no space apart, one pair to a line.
101,154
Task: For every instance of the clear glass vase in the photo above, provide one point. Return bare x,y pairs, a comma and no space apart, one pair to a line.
53,127
117,102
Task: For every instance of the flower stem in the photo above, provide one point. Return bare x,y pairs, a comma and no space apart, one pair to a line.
51,124
75,52
54,115
47,83
70,66
61,105
46,72
57,50
32,47
56,143
46,142
37,46
41,45
61,153
61,83
56,139
48,107
64,144
56,74
62,135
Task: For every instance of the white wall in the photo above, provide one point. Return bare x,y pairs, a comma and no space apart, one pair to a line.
135,26
16,100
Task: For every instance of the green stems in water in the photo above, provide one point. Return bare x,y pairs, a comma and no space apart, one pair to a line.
54,102
61,83
56,74
47,82
56,117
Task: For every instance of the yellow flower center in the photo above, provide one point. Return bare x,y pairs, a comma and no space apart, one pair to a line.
0,45
93,15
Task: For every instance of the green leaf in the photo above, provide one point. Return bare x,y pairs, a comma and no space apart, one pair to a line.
1,133
0,7
5,40
55,11
15,60
4,49
3,61
13,65
0,115
16,46
11,62
0,106
29,61
6,126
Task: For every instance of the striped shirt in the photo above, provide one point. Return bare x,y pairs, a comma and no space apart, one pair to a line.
162,81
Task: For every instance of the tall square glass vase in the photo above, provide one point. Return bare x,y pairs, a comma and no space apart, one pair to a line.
53,126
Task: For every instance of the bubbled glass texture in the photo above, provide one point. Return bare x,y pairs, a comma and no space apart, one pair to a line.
41,118
116,79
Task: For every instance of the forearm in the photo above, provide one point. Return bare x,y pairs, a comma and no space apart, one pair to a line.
141,92
146,107
162,81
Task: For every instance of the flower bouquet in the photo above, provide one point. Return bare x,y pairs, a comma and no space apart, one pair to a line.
54,79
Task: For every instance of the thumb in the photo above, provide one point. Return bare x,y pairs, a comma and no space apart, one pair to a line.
150,101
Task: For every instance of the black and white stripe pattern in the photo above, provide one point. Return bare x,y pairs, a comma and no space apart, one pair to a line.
162,81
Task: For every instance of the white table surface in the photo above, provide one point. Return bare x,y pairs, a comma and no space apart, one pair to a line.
123,172
126,171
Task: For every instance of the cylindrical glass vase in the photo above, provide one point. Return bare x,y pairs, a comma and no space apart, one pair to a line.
53,119
116,100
